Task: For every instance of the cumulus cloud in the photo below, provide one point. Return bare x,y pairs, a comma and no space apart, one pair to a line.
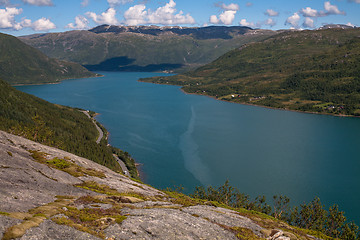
7,18
39,2
108,17
136,15
43,24
165,15
271,13
329,10
227,16
293,20
81,22
309,12
231,7
245,23
270,22
7,21
309,23
332,9
113,3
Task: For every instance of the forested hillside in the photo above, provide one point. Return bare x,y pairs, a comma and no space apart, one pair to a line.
22,64
53,125
315,71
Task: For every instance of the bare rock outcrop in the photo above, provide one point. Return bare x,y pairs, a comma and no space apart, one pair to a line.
46,193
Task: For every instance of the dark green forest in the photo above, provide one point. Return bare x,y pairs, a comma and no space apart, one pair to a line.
313,71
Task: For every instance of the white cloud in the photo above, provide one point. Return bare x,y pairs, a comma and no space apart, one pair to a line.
113,3
214,19
227,16
85,3
270,22
43,24
108,17
350,24
231,7
271,13
26,23
293,20
309,12
7,18
81,22
39,2
136,15
165,15
245,23
309,23
332,9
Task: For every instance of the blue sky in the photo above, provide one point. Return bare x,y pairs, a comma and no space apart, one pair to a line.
21,17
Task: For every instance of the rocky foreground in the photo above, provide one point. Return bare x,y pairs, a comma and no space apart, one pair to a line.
46,193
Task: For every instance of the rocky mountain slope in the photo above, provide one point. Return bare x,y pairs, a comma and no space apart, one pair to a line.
314,71
144,48
22,64
47,193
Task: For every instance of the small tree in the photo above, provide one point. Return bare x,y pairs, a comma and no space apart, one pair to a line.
334,221
281,207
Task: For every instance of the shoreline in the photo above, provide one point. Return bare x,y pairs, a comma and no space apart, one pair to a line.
249,104
56,82
255,105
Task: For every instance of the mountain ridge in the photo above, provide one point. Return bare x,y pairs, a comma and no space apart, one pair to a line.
150,48
22,64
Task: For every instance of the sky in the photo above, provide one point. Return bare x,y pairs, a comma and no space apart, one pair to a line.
23,17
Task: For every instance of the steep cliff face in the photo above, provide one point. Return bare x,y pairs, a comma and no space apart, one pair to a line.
46,193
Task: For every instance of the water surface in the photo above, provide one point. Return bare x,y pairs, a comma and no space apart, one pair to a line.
191,140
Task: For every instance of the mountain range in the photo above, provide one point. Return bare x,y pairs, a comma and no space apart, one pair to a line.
144,48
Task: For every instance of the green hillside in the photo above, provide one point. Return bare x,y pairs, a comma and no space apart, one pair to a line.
22,64
145,50
314,71
53,125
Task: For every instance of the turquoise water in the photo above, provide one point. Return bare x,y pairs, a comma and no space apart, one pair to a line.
190,140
